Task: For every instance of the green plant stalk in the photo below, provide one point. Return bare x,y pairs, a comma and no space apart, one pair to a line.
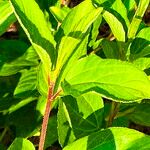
113,113
3,133
50,98
127,112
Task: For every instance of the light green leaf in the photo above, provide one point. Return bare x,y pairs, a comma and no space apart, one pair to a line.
144,33
79,117
95,30
133,28
129,4
38,32
36,27
27,83
114,79
142,63
117,6
104,3
115,25
75,20
7,16
21,144
112,139
59,13
140,114
73,33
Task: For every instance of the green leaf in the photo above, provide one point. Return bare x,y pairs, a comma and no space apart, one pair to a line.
117,6
104,3
141,44
115,25
111,49
27,83
16,56
121,122
142,63
112,138
114,79
95,30
7,16
133,28
22,144
73,33
36,28
129,4
38,32
75,20
59,13
26,120
79,117
144,33
16,104
140,114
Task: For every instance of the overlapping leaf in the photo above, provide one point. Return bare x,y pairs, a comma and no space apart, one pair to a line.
143,4
115,25
22,144
79,116
141,114
113,79
15,56
72,34
7,16
38,32
112,138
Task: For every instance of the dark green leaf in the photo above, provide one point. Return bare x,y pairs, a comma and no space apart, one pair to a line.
79,117
15,56
51,135
25,120
141,114
111,49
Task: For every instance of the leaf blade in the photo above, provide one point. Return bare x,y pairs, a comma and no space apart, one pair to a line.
113,79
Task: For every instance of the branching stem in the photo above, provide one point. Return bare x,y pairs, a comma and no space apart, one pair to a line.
113,113
50,98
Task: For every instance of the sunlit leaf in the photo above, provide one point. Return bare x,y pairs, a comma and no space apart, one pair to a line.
22,144
113,79
112,138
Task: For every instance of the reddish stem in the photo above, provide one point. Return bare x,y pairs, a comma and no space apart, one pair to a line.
45,119
50,98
